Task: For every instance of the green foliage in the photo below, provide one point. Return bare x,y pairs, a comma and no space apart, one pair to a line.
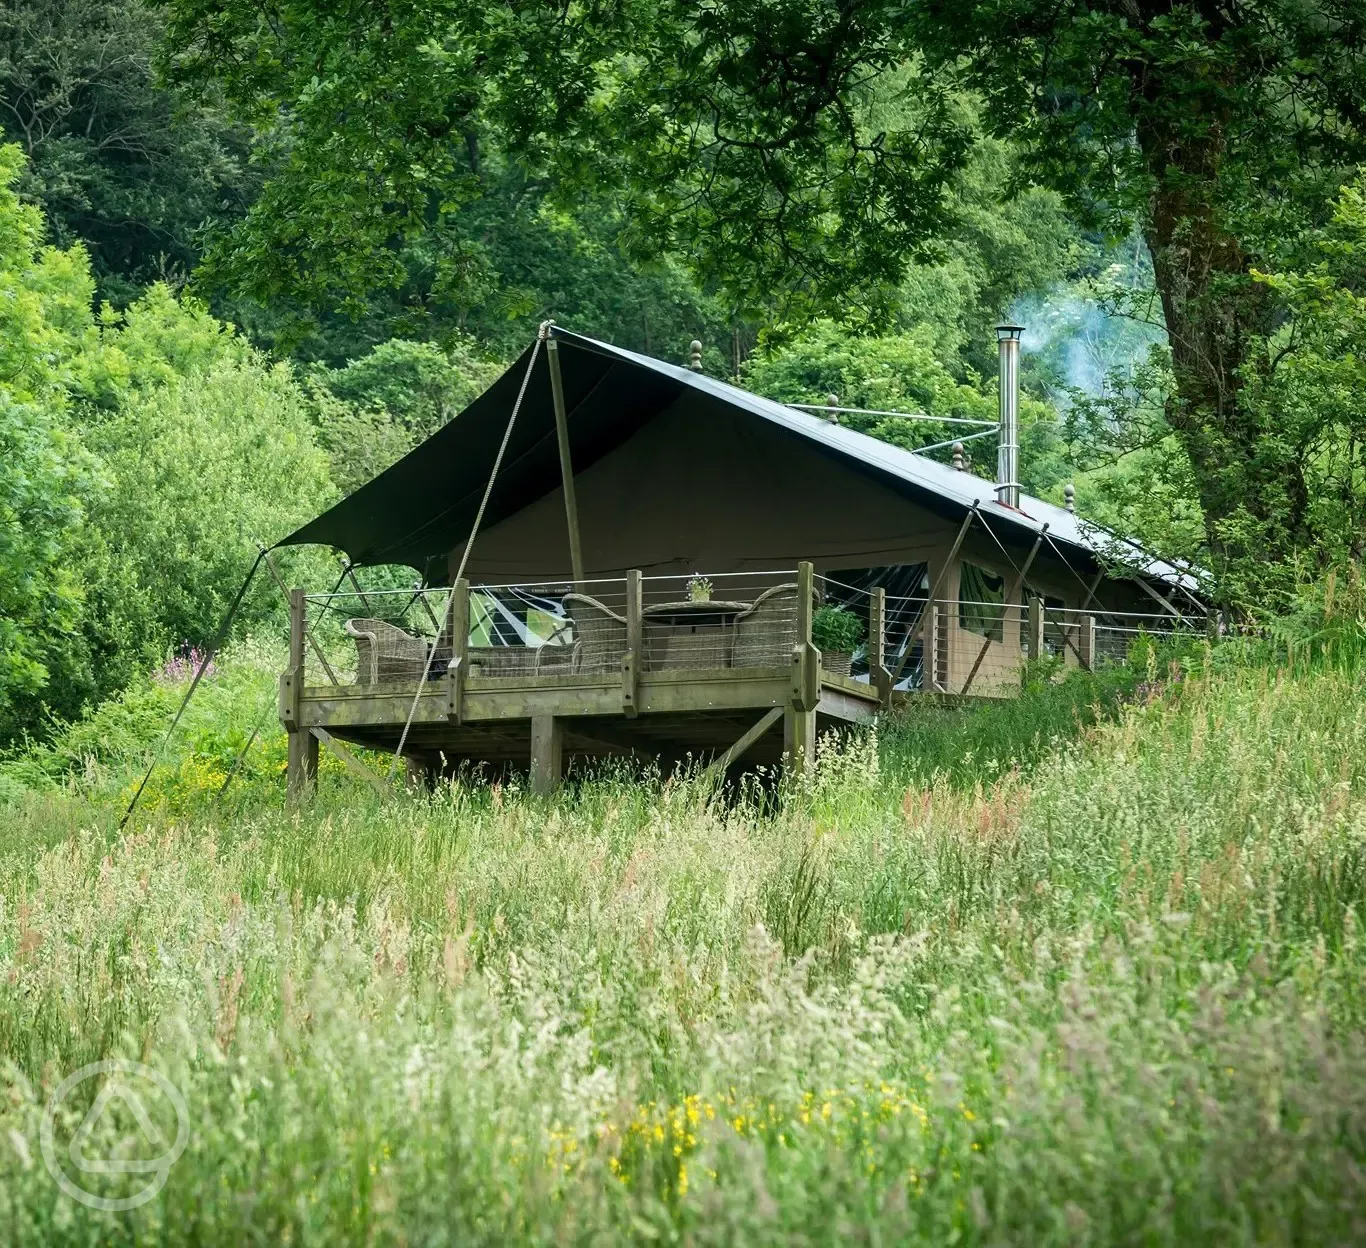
203,468
116,161
46,312
142,455
43,476
900,373
46,476
376,408
792,148
837,630
1309,394
419,384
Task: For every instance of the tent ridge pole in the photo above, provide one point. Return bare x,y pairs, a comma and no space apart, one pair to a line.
571,505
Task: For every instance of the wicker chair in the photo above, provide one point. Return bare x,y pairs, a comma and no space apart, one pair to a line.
521,660
385,652
601,634
500,661
766,633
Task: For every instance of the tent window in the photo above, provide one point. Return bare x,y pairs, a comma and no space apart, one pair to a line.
981,602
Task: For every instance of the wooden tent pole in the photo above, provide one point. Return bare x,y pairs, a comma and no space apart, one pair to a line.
921,623
571,505
1011,595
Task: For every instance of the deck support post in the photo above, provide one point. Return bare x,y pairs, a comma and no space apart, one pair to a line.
634,658
877,646
547,754
1036,626
1086,647
301,769
799,740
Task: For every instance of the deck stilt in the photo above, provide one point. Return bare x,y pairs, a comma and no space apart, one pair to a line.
547,753
799,739
302,766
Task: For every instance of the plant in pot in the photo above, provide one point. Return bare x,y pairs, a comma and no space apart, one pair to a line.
699,588
836,632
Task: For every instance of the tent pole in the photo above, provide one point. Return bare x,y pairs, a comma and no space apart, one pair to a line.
571,506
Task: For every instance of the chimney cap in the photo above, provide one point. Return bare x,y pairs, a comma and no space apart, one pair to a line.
1008,330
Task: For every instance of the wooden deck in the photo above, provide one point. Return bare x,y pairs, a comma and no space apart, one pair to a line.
507,722
546,723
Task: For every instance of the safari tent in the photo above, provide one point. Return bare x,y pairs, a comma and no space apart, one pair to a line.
589,472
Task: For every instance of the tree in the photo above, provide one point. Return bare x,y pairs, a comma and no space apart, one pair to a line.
114,160
806,144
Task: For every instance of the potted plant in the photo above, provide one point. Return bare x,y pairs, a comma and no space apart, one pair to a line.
699,588
836,632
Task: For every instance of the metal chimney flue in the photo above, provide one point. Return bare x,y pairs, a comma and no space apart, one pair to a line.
1008,452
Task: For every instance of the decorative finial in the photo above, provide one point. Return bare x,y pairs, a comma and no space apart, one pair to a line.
1069,496
832,401
958,456
544,332
695,356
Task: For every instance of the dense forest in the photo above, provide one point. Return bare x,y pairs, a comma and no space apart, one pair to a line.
253,253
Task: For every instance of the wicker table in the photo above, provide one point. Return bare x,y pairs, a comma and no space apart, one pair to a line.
690,634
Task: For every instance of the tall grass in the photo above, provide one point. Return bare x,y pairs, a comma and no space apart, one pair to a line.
1078,970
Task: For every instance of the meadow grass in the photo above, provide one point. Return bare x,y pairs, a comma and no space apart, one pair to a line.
1083,969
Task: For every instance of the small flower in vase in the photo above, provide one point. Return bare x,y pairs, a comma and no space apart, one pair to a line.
699,588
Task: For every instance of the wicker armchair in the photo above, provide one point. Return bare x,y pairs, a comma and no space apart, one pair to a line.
385,652
766,633
601,633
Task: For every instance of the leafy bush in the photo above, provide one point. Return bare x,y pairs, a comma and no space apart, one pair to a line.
46,475
201,469
379,406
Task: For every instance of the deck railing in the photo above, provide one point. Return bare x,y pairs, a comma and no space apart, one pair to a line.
592,627
682,623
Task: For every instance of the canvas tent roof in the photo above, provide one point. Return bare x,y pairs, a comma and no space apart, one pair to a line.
423,506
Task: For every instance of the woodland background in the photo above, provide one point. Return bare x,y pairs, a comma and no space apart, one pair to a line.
252,253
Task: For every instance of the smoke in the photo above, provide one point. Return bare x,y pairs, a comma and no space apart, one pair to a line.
1089,335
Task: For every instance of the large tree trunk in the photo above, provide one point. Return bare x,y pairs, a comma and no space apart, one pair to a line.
1216,315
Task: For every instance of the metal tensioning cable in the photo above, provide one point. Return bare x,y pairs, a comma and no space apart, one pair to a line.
469,544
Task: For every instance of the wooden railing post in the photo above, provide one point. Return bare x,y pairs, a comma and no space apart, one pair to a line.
806,593
1036,627
877,646
799,720
929,649
458,630
1086,648
634,658
806,659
